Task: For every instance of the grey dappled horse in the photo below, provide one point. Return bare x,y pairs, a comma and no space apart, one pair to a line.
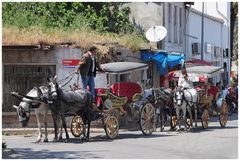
185,100
79,102
41,109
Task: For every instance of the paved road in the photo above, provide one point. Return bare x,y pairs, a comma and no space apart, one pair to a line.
212,143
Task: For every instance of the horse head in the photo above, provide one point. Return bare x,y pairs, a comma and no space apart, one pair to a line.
52,89
23,109
178,97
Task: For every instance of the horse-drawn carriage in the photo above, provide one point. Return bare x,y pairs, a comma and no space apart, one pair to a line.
117,99
200,76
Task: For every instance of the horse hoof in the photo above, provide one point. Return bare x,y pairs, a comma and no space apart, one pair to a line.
45,140
38,140
67,140
60,138
85,139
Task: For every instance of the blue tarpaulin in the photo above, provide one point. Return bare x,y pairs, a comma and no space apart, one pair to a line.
163,60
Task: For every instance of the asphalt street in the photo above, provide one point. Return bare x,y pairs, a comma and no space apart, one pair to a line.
212,143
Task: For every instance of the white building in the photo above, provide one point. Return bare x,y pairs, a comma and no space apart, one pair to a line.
216,35
174,21
184,26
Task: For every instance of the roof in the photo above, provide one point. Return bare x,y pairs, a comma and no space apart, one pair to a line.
207,16
123,67
204,69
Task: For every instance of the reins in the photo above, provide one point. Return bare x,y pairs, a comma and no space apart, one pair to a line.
62,80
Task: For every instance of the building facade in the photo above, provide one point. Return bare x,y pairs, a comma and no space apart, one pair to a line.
216,35
183,22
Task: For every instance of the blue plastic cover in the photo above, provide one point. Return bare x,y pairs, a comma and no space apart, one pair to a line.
163,60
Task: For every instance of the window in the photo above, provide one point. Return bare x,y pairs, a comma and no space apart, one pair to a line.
175,33
180,26
169,22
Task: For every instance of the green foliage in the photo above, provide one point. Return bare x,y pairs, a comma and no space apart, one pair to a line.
100,16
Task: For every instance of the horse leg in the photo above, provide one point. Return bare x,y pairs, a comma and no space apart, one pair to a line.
61,128
190,115
178,117
39,127
184,115
88,132
54,116
195,110
161,119
45,127
65,127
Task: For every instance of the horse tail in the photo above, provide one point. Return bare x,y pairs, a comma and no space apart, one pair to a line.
89,105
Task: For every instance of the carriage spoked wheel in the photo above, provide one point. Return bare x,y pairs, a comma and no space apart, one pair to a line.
77,126
223,114
205,116
147,119
111,127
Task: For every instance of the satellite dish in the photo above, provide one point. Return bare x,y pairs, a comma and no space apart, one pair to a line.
156,33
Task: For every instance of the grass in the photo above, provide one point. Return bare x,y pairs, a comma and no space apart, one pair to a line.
82,37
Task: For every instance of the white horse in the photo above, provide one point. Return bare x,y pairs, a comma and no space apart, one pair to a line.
185,99
34,99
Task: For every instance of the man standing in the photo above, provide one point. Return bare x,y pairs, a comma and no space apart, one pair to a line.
87,67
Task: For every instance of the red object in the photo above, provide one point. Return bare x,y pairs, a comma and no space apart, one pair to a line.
127,89
198,88
202,79
213,90
70,62
98,98
197,62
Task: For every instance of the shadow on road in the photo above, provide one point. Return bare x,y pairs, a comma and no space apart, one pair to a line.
103,138
230,118
28,153
211,128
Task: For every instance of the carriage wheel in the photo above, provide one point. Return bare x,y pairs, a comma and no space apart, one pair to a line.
223,114
147,119
111,127
205,116
77,126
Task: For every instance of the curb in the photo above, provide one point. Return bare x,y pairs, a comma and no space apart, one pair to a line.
32,131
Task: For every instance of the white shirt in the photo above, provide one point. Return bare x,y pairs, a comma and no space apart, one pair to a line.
184,83
93,66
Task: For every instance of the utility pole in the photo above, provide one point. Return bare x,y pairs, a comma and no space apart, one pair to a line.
202,38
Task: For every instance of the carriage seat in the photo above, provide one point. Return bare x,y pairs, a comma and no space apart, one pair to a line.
214,91
129,89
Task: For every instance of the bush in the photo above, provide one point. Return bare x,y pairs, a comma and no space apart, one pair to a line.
99,16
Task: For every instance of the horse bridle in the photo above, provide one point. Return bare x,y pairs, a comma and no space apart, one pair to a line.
24,112
175,97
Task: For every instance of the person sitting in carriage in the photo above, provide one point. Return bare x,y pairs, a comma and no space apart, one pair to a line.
184,82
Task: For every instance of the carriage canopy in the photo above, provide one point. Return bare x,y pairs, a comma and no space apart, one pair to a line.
123,67
199,73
